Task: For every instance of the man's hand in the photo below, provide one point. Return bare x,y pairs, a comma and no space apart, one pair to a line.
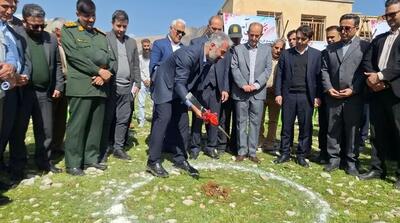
197,112
317,102
6,71
379,86
56,94
278,100
22,80
253,88
98,81
247,88
105,74
224,96
135,90
372,78
346,92
146,83
334,93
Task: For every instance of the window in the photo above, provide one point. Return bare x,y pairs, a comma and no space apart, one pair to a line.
278,19
317,23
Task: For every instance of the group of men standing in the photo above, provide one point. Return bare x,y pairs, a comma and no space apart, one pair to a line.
341,80
238,81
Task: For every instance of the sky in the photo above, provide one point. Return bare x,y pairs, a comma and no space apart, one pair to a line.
152,17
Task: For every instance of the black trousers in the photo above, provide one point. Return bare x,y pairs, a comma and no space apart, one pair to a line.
385,123
323,129
60,109
210,99
38,105
297,105
226,114
116,122
171,116
10,105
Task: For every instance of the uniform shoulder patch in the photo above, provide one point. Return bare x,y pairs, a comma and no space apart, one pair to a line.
99,31
70,24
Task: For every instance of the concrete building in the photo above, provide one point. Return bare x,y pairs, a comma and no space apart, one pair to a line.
290,14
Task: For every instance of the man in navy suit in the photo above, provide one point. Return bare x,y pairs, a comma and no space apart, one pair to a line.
180,74
211,93
298,92
161,50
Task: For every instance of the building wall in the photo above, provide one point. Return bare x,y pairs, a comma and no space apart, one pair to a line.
292,9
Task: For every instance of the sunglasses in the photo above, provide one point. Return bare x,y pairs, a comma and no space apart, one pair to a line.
216,29
345,28
390,15
180,32
36,27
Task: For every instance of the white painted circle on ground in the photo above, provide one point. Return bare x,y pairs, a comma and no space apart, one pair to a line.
119,214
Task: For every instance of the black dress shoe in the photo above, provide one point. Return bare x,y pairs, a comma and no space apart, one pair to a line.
75,171
282,159
194,154
188,168
373,174
211,153
331,167
352,171
54,169
121,154
157,170
302,162
96,165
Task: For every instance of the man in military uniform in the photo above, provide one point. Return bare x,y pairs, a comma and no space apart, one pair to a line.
89,62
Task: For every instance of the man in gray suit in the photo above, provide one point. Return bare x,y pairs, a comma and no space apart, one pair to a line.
46,83
120,99
343,80
251,67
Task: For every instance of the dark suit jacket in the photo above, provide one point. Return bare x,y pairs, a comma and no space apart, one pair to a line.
179,74
392,72
133,59
341,72
160,51
221,68
24,54
285,73
53,59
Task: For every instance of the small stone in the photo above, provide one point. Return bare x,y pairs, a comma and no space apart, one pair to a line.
188,202
95,214
232,205
55,213
31,200
264,177
98,221
375,217
28,182
330,191
168,210
27,218
171,221
151,217
346,212
44,187
210,201
325,175
37,220
36,213
144,193
57,185
35,205
97,193
290,213
46,181
351,183
364,201
202,206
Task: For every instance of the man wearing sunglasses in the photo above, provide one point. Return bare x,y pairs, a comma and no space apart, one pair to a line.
211,93
343,81
382,66
46,83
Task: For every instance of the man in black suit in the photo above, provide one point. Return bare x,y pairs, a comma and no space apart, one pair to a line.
298,92
211,94
382,66
180,74
46,83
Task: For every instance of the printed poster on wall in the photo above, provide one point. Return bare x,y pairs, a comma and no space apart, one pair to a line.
269,32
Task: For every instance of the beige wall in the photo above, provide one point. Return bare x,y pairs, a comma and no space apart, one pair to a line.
291,9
